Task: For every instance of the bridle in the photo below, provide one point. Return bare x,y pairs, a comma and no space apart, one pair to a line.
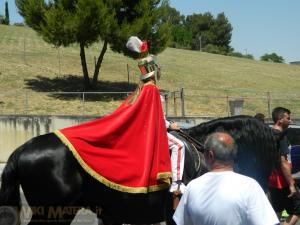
198,145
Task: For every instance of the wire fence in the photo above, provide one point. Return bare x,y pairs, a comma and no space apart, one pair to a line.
183,103
27,53
222,103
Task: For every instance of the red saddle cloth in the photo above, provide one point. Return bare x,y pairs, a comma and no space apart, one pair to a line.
128,149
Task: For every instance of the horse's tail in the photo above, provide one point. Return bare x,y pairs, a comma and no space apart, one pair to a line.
10,192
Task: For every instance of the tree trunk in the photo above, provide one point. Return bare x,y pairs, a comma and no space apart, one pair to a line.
84,67
99,62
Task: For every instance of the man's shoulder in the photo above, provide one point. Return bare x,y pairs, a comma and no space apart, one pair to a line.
199,180
224,175
278,134
276,131
245,178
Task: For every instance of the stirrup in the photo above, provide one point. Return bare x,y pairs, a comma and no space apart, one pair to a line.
178,182
177,191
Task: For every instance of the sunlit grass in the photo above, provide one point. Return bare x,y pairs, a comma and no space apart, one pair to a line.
210,81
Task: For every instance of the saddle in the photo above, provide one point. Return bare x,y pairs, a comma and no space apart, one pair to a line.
194,164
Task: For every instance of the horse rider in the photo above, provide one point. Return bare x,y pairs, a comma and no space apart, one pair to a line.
150,72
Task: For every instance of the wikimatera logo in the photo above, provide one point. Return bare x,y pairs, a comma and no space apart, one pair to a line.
51,214
8,215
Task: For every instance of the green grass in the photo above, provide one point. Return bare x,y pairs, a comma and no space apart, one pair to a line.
29,67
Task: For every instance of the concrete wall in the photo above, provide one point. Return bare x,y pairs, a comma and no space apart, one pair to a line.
16,130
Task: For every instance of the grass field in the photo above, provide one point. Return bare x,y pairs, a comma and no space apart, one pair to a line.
32,70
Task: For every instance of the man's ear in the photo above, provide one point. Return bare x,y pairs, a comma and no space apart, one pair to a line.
211,155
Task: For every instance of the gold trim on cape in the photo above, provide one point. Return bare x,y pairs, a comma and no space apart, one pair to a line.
163,178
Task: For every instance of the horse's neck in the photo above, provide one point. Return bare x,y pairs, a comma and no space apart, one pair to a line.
196,133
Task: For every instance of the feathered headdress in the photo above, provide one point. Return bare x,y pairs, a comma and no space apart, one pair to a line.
135,45
147,63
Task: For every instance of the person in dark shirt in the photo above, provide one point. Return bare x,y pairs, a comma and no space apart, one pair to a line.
283,191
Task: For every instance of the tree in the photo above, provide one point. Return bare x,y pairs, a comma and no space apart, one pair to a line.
180,36
221,33
213,34
240,55
64,22
249,56
199,25
273,57
6,17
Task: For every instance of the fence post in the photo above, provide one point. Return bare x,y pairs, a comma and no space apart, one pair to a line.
269,103
227,103
58,53
182,102
166,104
127,73
26,102
174,99
83,100
24,51
16,100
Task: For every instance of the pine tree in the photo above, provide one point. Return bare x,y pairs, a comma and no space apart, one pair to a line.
64,22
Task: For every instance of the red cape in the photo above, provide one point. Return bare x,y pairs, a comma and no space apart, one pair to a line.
128,149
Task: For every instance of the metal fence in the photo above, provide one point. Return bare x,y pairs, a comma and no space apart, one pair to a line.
184,102
30,51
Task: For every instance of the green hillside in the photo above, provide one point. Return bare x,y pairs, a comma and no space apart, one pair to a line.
30,69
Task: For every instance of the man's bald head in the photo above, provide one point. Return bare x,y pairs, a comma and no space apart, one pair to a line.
223,147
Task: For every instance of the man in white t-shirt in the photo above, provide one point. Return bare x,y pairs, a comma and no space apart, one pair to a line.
222,197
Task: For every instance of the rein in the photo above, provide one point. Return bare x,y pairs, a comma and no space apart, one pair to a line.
199,146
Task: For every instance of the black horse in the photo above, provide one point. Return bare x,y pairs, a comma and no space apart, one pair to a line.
52,178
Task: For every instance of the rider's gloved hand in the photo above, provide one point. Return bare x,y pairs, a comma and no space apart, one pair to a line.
174,126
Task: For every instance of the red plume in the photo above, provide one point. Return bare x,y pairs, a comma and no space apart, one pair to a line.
144,47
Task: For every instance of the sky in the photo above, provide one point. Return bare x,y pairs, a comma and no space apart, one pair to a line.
259,26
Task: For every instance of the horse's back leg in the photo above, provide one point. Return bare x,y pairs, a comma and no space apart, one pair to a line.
51,181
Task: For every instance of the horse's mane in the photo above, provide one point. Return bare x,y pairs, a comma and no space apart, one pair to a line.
240,124
257,149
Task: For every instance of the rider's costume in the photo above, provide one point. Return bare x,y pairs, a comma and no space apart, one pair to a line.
128,149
